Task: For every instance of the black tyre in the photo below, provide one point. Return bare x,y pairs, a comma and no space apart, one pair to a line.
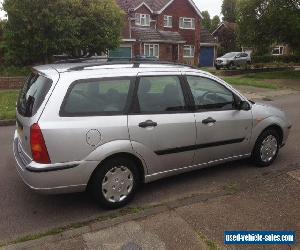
218,67
115,182
266,148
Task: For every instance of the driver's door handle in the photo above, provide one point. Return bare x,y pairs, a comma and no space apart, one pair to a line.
209,120
147,124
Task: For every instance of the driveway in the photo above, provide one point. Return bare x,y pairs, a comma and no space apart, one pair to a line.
23,212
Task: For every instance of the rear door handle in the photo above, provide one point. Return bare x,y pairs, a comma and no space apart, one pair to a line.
209,120
147,124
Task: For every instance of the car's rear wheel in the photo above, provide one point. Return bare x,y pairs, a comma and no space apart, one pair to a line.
266,148
114,183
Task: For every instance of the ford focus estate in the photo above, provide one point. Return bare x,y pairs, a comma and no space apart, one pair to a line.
109,127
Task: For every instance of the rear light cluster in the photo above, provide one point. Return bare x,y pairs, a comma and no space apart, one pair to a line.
38,146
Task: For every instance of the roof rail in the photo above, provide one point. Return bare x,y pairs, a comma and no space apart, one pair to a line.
81,59
135,63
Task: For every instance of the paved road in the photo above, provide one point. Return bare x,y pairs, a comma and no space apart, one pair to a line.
23,212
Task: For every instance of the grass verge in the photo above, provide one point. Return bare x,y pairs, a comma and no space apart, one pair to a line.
8,100
291,75
252,82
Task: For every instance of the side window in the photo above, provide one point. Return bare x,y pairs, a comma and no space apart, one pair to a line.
96,97
209,94
160,94
33,94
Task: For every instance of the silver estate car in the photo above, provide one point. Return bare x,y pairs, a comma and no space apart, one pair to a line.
109,127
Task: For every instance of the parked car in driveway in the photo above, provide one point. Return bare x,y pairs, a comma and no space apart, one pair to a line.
233,59
108,127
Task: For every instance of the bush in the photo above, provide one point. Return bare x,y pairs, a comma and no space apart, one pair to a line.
276,59
6,71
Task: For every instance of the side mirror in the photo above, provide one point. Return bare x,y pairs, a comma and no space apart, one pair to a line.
241,104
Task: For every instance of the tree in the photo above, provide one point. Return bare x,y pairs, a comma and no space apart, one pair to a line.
215,22
229,10
265,22
38,29
206,21
2,25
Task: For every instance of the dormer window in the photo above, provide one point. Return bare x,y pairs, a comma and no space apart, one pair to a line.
142,19
187,23
168,22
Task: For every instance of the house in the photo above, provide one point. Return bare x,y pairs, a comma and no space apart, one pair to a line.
280,50
225,35
166,29
208,48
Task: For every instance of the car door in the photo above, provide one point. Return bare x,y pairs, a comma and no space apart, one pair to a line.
238,59
162,129
223,131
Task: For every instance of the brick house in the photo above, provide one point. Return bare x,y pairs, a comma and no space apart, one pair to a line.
166,29
226,36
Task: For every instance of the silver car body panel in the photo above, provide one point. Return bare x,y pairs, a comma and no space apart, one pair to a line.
159,149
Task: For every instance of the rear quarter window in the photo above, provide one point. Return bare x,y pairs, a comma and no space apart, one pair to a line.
33,94
96,97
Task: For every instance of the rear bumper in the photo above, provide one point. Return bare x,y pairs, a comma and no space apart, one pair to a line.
52,178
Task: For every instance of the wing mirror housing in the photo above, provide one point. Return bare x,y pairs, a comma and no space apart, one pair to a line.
242,104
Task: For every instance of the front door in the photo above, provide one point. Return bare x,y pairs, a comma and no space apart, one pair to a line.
222,130
161,129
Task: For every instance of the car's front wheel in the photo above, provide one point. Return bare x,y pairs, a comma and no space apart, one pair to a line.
266,148
115,182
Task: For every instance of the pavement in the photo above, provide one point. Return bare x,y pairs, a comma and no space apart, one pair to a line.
190,211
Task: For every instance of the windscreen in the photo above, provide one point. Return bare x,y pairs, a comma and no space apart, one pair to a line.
33,94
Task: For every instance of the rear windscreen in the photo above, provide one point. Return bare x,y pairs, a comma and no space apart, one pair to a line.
33,94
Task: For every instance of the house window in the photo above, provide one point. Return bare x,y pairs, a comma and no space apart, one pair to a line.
168,22
142,19
151,50
278,50
187,23
188,51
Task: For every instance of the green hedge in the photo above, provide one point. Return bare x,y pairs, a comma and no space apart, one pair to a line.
275,59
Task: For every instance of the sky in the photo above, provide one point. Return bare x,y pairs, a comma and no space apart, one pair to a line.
1,12
213,6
